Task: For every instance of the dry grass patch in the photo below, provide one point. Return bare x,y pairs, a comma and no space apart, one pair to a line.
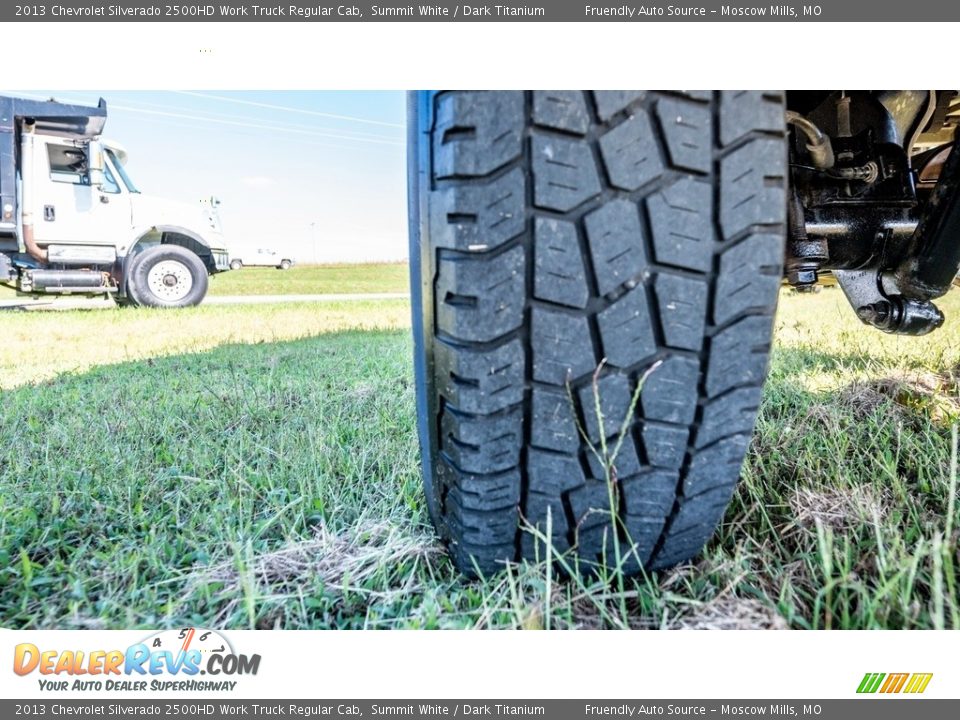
838,508
907,393
731,613
343,562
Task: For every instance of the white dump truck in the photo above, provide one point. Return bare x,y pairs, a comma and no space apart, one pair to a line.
73,222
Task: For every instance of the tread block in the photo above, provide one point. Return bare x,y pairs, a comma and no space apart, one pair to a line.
682,548
682,302
553,474
742,112
728,414
564,173
472,491
680,219
615,237
561,346
483,527
626,331
670,393
650,494
595,545
478,381
488,559
630,153
480,298
549,477
552,423
558,275
535,513
482,445
477,135
739,354
624,464
475,218
562,110
702,512
752,189
595,532
610,102
613,394
591,504
665,445
534,549
716,466
641,538
749,277
688,130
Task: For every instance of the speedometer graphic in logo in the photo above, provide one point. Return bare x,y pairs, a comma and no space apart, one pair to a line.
207,642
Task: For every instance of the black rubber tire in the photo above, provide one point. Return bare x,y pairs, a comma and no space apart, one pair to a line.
138,289
551,231
236,264
284,265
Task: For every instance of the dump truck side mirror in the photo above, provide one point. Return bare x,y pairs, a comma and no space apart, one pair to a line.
95,164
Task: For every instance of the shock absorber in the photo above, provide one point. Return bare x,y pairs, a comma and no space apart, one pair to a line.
805,256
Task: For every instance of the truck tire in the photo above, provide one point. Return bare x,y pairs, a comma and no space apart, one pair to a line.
559,237
285,264
167,276
236,264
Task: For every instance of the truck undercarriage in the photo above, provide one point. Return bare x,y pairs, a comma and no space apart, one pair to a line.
874,202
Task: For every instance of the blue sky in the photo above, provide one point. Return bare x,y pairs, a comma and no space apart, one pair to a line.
320,175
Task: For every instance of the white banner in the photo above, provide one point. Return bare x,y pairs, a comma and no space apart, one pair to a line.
463,664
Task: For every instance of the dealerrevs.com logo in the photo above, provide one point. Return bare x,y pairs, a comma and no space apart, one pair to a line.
892,683
169,660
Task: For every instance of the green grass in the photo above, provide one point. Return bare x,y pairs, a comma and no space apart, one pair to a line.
198,477
302,280
314,279
42,345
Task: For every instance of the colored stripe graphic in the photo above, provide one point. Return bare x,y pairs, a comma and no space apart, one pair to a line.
918,682
893,683
870,682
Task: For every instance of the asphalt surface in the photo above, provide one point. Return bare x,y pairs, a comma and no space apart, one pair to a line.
332,297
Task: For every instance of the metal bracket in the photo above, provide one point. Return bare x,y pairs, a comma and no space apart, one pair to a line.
878,302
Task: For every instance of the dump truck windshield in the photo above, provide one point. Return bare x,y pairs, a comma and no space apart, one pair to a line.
122,172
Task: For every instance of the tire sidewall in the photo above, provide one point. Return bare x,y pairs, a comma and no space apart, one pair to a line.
138,288
236,265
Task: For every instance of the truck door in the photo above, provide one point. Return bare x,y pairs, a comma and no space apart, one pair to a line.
67,208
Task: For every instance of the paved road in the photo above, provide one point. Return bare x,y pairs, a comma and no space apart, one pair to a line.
88,303
333,297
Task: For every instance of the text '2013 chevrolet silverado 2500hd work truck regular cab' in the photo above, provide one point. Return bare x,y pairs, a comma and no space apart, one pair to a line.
73,222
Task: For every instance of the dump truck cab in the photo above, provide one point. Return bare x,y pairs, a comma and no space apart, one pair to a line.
73,221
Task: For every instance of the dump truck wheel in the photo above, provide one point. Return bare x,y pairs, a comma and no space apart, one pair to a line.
235,264
564,246
167,276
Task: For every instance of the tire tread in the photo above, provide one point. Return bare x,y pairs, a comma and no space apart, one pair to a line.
570,228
